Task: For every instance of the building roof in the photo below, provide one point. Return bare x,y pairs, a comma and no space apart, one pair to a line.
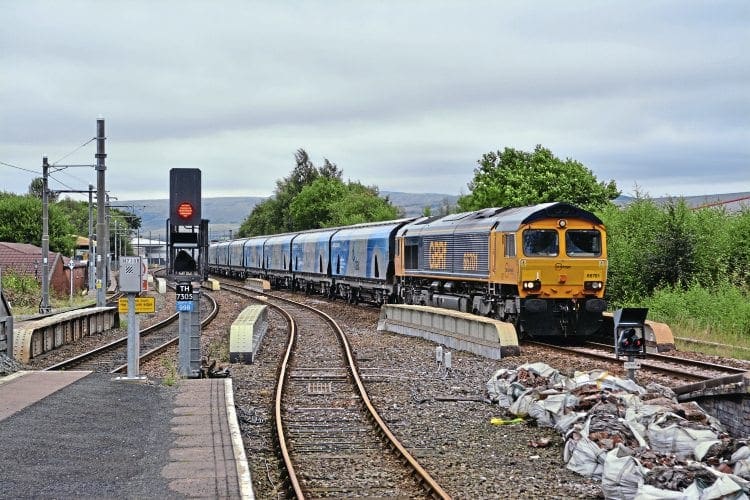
25,258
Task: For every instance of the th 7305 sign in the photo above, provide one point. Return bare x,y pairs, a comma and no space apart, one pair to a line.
184,292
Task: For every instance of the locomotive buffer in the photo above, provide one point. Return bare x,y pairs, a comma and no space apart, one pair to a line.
187,248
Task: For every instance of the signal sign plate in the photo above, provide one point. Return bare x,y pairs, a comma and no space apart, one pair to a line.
142,305
185,306
184,292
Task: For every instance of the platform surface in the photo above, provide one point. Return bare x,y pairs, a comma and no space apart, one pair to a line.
86,435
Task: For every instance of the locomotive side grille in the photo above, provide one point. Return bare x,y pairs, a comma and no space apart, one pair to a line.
470,254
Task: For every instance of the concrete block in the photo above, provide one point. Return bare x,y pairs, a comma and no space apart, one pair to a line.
457,330
246,333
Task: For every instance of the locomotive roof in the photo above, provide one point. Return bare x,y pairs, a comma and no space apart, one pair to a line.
512,218
505,219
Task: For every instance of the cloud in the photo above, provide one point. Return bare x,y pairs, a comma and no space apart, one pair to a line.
406,96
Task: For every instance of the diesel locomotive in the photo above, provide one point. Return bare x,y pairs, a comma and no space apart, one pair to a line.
542,267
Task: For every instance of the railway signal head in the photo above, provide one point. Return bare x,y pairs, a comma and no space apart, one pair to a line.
185,196
631,341
630,338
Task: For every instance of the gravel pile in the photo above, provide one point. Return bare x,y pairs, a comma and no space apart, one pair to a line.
8,365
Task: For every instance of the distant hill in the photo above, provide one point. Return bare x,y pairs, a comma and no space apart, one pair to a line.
227,213
732,202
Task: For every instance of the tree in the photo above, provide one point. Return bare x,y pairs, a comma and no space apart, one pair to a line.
77,213
313,207
311,198
514,178
262,220
671,257
362,204
36,189
738,237
21,222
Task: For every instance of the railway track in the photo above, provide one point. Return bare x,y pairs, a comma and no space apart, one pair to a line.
674,366
112,357
331,438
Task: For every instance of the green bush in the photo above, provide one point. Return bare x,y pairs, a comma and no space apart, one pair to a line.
689,267
21,290
722,313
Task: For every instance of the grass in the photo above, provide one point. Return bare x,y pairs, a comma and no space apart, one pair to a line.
56,303
172,376
714,321
219,350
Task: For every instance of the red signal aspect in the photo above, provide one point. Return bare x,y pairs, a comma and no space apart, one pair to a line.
185,210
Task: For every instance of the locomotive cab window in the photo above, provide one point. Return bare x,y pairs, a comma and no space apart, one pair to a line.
509,242
411,253
583,243
540,243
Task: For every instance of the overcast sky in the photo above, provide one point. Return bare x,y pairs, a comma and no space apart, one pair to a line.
404,95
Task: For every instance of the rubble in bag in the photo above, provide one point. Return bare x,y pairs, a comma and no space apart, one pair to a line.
608,430
639,442
679,477
670,433
583,456
539,375
622,474
741,461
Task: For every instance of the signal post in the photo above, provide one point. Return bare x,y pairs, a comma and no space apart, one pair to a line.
132,275
187,248
630,339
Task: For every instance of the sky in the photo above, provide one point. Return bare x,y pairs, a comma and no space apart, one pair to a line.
403,95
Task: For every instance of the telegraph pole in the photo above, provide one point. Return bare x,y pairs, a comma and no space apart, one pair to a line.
44,306
91,259
102,238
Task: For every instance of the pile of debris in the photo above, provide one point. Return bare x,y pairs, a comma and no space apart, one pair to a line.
210,370
639,442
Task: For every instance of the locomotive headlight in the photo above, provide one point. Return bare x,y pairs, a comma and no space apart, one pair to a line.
593,285
532,285
562,223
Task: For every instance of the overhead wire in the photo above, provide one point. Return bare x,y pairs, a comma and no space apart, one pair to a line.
20,168
54,164
61,182
76,149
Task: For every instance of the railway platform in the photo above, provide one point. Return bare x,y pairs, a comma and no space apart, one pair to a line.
85,435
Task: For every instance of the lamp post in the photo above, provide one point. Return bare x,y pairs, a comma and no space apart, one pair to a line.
71,265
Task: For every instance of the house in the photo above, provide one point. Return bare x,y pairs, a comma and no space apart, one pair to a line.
155,251
26,259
